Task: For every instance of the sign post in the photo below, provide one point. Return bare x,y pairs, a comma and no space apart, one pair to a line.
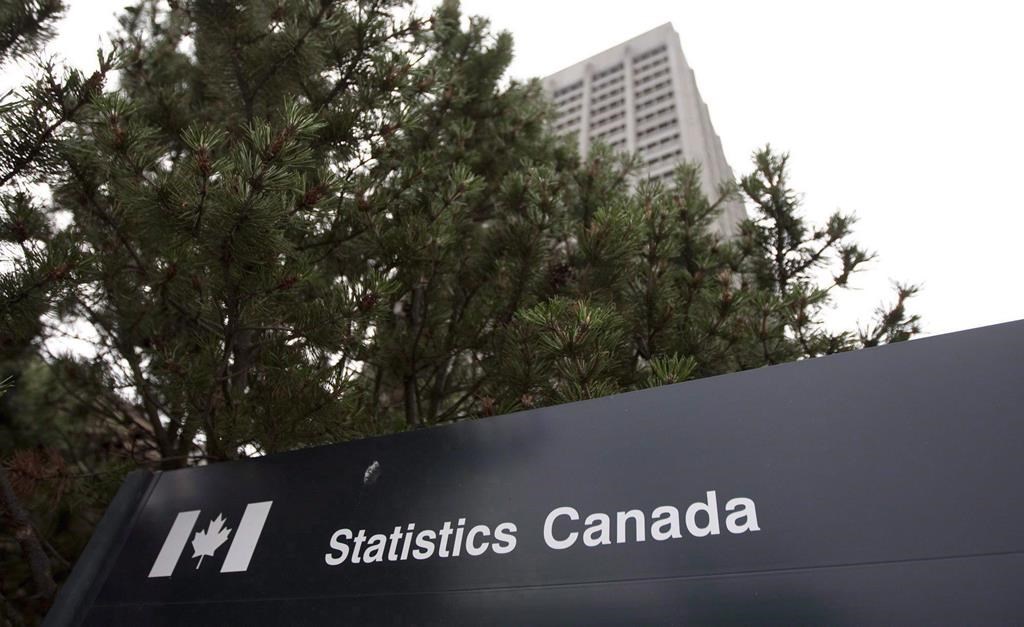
876,487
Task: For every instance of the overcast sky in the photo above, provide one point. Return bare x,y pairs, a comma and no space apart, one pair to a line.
909,114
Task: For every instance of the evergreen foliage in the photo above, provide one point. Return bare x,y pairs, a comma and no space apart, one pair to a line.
25,25
297,222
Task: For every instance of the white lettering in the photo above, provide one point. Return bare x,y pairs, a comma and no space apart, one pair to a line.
549,524
711,509
638,524
477,549
748,513
338,545
504,540
599,530
665,516
424,544
375,548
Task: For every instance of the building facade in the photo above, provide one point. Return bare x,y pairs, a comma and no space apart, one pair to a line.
641,97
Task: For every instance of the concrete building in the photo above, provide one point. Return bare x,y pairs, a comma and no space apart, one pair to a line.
641,96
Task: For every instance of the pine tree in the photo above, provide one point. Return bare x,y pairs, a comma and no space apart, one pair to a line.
306,221
35,264
654,297
300,223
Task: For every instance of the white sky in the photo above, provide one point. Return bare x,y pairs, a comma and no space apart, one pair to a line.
910,114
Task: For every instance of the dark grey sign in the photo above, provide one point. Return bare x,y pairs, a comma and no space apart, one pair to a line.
875,487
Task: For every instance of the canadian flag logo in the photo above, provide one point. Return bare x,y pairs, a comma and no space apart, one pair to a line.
206,542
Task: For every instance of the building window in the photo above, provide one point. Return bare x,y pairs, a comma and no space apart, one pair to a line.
564,90
650,53
644,132
607,72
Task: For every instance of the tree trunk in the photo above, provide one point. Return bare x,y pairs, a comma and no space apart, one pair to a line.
25,533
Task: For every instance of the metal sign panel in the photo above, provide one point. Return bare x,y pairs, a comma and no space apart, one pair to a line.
880,486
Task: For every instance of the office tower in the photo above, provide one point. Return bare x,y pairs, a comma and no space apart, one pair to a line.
641,96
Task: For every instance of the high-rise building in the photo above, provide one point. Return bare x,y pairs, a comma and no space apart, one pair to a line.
641,96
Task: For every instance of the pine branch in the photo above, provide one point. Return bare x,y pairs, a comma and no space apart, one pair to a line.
30,135
326,8
25,25
417,311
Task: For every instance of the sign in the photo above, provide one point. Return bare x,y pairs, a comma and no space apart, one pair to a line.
876,487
